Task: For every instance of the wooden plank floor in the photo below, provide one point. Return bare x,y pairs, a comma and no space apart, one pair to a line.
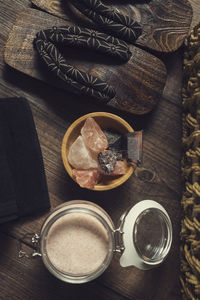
53,111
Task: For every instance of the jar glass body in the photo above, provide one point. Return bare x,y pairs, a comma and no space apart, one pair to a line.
77,241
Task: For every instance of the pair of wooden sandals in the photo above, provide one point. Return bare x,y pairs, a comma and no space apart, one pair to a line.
108,57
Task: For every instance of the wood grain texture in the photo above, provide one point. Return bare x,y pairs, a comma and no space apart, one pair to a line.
196,12
34,282
165,23
53,112
130,282
142,78
161,155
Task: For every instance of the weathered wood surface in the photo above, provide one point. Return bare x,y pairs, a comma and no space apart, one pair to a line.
196,12
29,280
165,24
142,78
53,111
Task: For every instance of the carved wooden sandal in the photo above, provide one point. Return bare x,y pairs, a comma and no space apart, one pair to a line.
160,25
77,80
110,20
134,86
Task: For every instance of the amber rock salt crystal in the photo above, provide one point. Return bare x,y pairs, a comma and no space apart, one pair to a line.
93,136
80,156
87,178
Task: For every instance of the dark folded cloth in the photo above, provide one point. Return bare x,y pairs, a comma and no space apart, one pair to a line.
23,187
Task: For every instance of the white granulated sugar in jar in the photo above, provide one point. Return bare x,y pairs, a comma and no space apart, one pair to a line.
77,243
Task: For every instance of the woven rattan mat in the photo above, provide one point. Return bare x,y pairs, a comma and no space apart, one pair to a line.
190,228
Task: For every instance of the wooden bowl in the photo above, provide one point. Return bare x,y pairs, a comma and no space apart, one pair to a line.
105,120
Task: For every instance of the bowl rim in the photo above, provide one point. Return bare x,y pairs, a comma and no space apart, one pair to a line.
68,167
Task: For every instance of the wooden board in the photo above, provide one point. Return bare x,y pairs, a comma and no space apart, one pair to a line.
159,135
196,13
165,23
44,285
138,88
53,112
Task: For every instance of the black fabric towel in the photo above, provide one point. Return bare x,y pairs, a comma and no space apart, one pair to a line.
23,187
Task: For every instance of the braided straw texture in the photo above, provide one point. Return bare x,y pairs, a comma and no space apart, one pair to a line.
190,227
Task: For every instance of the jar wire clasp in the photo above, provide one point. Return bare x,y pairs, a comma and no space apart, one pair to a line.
119,247
34,238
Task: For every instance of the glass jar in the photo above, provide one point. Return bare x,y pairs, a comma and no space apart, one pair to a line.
78,239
